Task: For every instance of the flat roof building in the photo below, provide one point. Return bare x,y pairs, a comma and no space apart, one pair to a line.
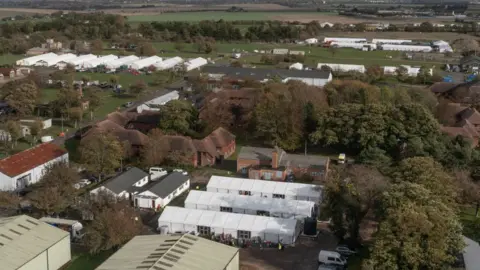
27,243
173,252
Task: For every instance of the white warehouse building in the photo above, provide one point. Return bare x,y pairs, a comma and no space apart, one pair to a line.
342,67
145,62
30,244
391,41
195,63
354,45
53,61
267,189
349,40
152,105
204,222
99,61
168,63
121,62
30,61
406,48
250,205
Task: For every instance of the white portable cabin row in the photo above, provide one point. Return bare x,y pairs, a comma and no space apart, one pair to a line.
179,220
267,189
121,62
343,67
250,205
145,62
53,61
168,63
391,41
195,63
30,61
350,40
81,59
99,61
405,48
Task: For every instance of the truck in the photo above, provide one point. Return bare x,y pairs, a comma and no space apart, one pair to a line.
74,227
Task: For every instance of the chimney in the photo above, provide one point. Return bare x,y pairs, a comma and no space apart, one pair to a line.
275,159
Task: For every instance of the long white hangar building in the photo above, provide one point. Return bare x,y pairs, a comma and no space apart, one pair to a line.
251,205
268,189
204,222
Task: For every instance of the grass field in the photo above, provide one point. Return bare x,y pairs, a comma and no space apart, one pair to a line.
87,262
10,59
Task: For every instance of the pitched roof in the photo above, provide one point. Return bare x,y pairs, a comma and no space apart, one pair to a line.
469,58
179,143
135,137
167,185
118,118
221,137
470,114
24,238
265,154
440,87
30,158
125,180
171,252
263,73
205,145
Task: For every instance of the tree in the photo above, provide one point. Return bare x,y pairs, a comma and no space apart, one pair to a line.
115,222
75,114
97,46
374,73
154,152
178,116
55,192
36,129
101,153
21,96
15,131
138,88
146,49
113,79
91,94
469,190
9,202
416,231
424,74
402,73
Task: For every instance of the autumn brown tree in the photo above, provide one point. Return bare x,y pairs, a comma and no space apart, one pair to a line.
154,152
21,96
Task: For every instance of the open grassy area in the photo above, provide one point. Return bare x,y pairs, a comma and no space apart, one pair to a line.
10,59
88,262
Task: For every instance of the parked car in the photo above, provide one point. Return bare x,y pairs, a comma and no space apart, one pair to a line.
128,104
82,183
345,251
331,258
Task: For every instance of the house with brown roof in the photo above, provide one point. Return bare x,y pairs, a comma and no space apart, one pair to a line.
463,93
276,164
25,168
459,120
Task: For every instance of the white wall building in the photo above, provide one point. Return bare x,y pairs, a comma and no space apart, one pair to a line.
406,48
78,61
103,60
326,24
342,67
311,40
30,61
354,45
176,219
27,167
267,189
152,105
161,192
195,63
350,40
125,184
30,244
145,62
124,61
53,61
168,63
250,205
391,41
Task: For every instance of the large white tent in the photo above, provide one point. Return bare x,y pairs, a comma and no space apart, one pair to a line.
406,48
122,61
168,63
338,39
81,59
99,61
177,219
391,41
195,63
30,61
53,61
342,67
145,62
268,189
251,205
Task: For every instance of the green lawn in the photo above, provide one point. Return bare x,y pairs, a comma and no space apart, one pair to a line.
88,262
10,59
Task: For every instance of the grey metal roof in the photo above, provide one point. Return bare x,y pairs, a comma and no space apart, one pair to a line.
22,238
170,252
125,180
255,153
285,159
471,254
167,185
263,73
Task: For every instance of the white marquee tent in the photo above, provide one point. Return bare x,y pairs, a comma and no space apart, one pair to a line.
30,61
99,61
343,67
251,205
406,48
122,62
337,39
53,61
268,189
168,63
195,63
391,41
81,59
145,62
177,219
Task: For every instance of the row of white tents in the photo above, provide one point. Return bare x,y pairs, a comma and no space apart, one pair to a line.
411,71
111,62
404,45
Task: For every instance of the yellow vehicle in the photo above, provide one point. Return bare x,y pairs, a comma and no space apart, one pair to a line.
342,158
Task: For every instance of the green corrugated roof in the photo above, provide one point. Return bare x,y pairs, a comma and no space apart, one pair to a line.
22,238
170,252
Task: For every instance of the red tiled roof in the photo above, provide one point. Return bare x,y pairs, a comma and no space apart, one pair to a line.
221,137
30,158
206,145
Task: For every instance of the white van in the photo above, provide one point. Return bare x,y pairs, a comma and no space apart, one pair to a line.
331,257
156,172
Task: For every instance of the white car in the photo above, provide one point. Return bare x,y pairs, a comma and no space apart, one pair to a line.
82,183
345,251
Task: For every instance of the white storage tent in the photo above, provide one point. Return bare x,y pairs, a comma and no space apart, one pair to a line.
30,61
81,59
406,48
252,205
175,219
53,61
351,40
121,61
145,62
99,61
168,63
262,188
195,63
298,66
343,67
353,45
391,41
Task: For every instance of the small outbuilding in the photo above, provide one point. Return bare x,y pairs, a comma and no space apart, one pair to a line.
159,193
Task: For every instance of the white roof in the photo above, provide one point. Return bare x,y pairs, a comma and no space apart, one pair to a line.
145,62
33,59
100,61
394,41
168,63
59,58
162,100
175,215
283,226
122,61
58,221
81,59
344,67
195,63
193,218
343,39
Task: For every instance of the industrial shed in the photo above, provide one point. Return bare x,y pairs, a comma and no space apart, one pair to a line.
30,244
81,59
173,252
204,222
262,188
406,48
342,67
250,205
350,40
391,41
53,61
121,62
145,62
99,61
30,61
195,63
168,63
